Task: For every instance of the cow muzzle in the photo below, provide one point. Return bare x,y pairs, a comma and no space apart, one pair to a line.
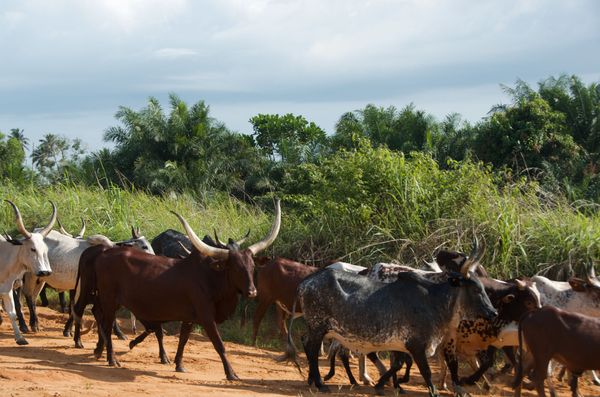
252,292
43,273
491,314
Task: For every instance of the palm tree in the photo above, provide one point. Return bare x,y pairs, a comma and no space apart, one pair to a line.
19,135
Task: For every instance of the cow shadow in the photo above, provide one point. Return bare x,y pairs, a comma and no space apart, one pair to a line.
84,364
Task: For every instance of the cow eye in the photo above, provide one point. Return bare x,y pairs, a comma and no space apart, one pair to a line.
33,250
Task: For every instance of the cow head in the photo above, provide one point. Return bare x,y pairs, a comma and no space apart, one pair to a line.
139,241
590,285
236,261
33,251
521,298
453,261
473,302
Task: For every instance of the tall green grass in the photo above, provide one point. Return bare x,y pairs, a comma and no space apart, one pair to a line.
113,211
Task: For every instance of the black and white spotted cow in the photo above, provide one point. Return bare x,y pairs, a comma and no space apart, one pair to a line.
411,314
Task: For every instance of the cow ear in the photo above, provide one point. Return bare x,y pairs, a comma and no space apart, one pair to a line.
508,298
455,281
577,284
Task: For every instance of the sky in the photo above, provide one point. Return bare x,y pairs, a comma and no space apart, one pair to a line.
67,65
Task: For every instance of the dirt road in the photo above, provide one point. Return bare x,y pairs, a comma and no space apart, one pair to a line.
51,366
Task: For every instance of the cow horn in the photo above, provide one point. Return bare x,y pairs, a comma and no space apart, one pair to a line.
203,248
82,231
263,244
243,239
44,232
187,251
19,220
219,242
62,229
591,276
135,233
473,259
521,284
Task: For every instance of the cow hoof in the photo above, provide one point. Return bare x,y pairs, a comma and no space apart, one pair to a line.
23,329
379,391
114,363
400,390
22,342
165,360
233,377
179,368
132,344
122,337
324,389
78,345
35,328
596,382
97,354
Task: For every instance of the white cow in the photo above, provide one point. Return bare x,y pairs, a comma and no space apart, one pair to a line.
19,256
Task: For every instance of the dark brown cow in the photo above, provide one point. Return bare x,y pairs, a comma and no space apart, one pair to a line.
200,289
277,282
554,334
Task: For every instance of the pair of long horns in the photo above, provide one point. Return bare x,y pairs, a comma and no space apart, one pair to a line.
21,227
221,253
473,260
63,231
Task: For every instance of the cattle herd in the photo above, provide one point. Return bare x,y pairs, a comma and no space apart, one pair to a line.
452,311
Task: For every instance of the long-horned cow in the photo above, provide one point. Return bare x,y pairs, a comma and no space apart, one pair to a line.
202,288
20,256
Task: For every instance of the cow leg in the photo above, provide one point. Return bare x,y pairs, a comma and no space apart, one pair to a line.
394,367
312,344
31,288
487,361
402,358
105,326
443,371
133,322
420,358
334,348
164,359
261,309
345,357
363,376
573,383
118,332
452,363
9,308
184,335
20,318
377,362
43,298
63,302
67,330
213,333
140,338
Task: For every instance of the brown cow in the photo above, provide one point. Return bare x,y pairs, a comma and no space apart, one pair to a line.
554,334
277,282
200,289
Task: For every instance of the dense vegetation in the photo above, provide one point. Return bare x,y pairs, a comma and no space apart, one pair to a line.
387,184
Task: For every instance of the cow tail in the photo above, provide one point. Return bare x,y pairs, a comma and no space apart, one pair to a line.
291,353
76,317
519,360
